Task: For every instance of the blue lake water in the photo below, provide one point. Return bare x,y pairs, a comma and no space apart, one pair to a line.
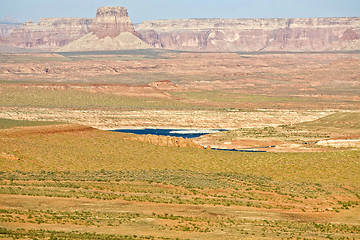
185,133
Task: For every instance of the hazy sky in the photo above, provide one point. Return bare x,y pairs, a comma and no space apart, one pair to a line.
141,10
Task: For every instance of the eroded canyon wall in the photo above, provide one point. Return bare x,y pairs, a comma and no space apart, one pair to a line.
111,21
111,30
303,35
218,35
49,33
7,28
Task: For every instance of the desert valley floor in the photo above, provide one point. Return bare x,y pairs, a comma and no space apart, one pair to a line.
63,175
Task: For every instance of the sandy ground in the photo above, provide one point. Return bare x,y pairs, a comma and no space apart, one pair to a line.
116,119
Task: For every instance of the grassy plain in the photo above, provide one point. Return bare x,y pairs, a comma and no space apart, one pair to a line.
98,184
8,123
18,96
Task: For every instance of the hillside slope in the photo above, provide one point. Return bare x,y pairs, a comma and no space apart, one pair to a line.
91,42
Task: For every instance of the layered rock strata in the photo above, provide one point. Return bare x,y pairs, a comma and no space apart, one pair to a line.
111,21
6,29
111,30
218,35
49,33
303,35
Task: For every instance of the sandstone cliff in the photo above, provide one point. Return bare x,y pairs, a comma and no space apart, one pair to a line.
303,35
49,33
6,29
111,30
111,21
298,35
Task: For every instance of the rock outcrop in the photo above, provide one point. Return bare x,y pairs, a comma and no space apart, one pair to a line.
111,30
111,21
49,33
303,35
218,35
166,141
6,29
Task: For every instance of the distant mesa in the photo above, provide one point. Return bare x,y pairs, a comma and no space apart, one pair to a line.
111,21
252,35
48,34
110,30
29,23
9,19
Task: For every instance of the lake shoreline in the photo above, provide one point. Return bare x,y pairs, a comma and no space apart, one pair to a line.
172,132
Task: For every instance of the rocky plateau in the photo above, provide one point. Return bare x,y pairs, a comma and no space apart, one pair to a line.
217,35
111,21
208,35
49,33
7,28
110,30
